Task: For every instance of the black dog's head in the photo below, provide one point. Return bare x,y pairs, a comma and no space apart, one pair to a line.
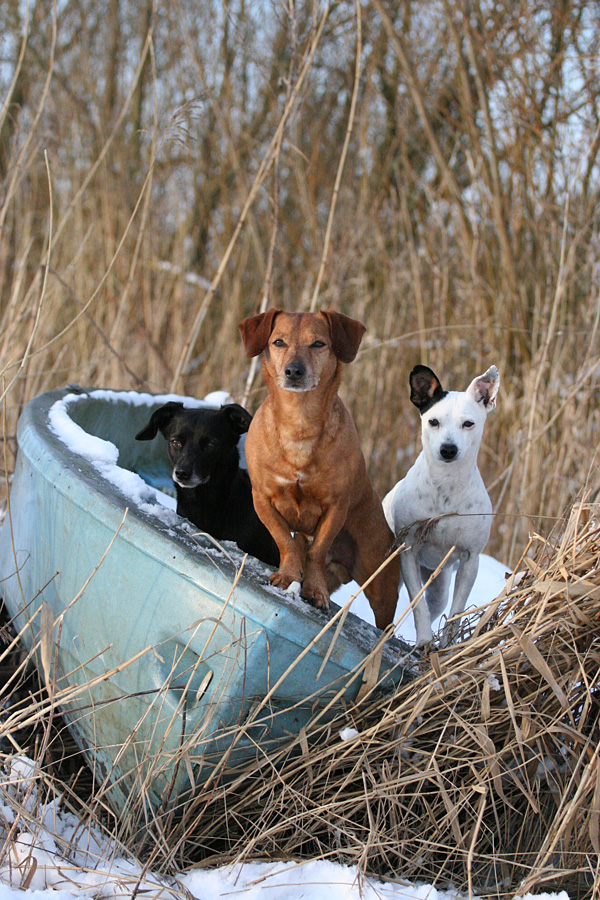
202,442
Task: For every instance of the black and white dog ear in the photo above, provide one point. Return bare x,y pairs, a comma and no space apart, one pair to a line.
484,388
159,420
425,388
239,418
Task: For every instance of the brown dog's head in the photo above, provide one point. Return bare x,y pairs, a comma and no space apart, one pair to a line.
302,348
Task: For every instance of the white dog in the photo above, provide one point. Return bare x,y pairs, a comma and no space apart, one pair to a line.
442,502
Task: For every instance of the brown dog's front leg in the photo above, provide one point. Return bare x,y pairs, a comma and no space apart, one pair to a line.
290,560
314,583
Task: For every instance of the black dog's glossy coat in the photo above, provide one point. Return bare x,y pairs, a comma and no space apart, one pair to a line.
213,492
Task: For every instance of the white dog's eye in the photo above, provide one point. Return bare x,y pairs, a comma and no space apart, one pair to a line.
468,424
434,423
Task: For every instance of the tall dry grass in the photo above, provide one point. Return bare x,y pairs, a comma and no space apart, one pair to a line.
167,170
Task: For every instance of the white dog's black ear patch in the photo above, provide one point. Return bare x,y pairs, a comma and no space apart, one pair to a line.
425,388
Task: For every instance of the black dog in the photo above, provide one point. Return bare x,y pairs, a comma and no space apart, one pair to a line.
212,491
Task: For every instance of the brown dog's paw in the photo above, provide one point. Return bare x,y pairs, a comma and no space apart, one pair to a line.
282,580
315,593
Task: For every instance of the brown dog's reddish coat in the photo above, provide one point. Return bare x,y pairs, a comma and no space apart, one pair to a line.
307,470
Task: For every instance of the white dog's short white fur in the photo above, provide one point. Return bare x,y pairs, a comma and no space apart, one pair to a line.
444,482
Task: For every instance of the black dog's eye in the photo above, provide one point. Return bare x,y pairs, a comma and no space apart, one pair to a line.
212,445
318,344
175,443
468,424
279,343
434,423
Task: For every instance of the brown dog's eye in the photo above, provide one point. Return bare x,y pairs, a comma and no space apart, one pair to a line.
318,344
279,343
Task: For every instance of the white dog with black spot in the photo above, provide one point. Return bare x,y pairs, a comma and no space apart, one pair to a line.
442,502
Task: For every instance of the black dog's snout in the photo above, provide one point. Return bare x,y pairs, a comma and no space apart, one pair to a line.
295,370
448,452
182,474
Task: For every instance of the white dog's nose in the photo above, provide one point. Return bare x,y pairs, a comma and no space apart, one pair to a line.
448,451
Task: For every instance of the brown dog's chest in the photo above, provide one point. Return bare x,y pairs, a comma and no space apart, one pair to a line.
297,498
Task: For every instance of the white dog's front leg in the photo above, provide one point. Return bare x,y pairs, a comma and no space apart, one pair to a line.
465,579
411,574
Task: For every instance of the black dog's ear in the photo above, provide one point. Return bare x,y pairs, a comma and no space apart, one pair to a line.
239,418
425,388
159,420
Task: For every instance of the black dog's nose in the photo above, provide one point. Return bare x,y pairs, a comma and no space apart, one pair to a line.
295,370
448,452
182,474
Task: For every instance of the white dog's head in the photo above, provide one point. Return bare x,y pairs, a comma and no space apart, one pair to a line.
452,421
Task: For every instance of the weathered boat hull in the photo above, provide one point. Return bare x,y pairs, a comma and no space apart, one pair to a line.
169,663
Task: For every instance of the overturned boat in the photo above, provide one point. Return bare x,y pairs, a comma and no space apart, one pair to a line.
171,657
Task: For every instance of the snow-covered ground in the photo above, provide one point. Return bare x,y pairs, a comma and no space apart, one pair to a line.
54,856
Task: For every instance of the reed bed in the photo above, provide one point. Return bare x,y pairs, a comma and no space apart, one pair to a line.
153,198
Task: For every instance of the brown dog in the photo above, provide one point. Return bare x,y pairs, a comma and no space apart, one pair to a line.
307,471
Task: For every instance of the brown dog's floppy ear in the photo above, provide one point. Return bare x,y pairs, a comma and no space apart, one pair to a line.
239,418
425,388
346,335
256,331
159,419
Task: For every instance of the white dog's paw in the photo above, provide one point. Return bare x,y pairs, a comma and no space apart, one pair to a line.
424,639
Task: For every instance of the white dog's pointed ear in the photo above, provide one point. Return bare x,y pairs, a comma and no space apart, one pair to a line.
484,388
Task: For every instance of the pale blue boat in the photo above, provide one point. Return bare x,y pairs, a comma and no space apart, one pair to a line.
171,667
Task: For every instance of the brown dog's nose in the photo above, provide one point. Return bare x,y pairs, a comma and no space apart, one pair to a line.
295,370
